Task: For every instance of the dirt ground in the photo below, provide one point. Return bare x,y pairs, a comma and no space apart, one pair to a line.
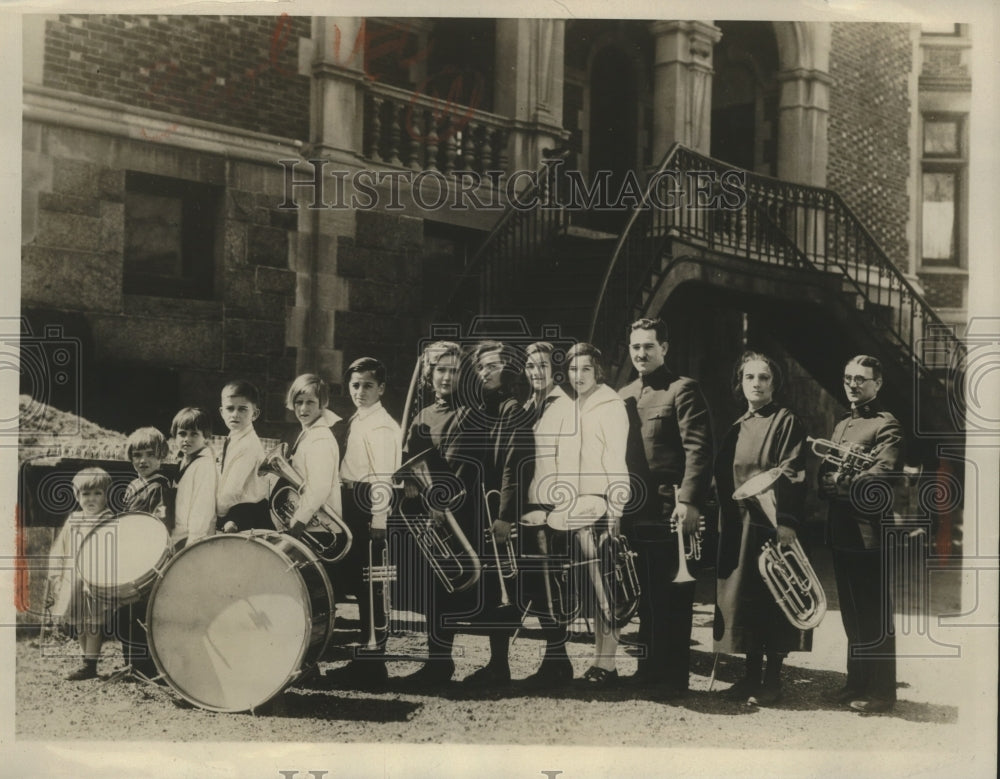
942,710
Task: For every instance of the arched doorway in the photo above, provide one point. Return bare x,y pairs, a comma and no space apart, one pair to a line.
745,95
612,150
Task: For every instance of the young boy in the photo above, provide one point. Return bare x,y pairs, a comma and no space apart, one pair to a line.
371,456
197,479
150,492
241,503
67,597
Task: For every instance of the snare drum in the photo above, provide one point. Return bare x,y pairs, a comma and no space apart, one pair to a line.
120,558
235,617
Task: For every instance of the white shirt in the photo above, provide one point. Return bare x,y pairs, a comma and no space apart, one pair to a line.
238,479
372,454
317,460
554,432
195,509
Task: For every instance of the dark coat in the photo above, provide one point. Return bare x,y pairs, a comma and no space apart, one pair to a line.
746,616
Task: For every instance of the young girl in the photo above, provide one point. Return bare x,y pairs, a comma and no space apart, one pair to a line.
197,479
67,598
315,454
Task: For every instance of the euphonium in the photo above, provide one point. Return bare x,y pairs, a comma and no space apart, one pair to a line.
284,501
624,578
383,574
848,459
787,572
434,528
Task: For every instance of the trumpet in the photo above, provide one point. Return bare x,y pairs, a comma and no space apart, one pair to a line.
284,501
505,563
789,576
435,530
383,574
685,552
848,459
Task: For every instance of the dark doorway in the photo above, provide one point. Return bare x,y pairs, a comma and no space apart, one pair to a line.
612,146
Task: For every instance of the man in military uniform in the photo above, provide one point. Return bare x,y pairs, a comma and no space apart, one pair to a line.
674,462
857,507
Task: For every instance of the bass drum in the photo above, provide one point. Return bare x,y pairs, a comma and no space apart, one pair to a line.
235,618
120,559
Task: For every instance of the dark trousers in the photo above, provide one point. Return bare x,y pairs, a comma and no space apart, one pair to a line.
665,614
350,572
131,633
866,609
249,516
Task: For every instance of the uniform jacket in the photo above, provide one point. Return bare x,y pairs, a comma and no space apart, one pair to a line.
857,511
676,434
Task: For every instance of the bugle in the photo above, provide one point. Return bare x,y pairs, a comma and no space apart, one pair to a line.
383,574
789,576
284,501
434,528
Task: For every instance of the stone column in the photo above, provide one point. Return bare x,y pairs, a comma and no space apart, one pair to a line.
529,73
804,52
337,66
682,85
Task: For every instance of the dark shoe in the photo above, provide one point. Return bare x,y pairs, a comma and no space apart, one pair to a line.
359,675
742,690
600,677
550,674
873,705
844,696
85,671
768,696
434,672
488,676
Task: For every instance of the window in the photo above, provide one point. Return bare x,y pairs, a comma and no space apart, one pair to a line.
170,236
942,187
941,28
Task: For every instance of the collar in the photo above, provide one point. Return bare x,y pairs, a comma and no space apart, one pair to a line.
658,379
866,410
766,410
601,394
555,394
363,413
326,419
237,435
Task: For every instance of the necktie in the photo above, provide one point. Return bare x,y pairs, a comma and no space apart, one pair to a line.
225,448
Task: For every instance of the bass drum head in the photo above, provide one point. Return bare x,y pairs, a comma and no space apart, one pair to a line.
231,619
119,553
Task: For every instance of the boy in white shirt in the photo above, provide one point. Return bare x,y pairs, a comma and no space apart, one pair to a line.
241,502
371,456
197,479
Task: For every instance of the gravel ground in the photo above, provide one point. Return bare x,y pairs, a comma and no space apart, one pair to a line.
941,707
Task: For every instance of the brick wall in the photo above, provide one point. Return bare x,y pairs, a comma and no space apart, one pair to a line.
146,356
944,290
869,121
240,71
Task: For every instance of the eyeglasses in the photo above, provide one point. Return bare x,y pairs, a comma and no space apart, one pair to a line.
859,381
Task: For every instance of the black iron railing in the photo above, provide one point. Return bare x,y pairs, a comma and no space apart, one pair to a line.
708,203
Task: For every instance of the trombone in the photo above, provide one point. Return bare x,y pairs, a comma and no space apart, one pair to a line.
506,563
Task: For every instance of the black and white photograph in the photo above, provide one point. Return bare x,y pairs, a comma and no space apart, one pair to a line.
547,390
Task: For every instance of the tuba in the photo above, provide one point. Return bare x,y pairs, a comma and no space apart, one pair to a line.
434,527
284,501
786,571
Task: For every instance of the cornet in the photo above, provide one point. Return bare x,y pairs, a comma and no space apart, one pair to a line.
284,501
691,550
383,574
848,459
787,572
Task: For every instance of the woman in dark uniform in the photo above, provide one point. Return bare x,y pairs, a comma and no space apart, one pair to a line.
747,619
